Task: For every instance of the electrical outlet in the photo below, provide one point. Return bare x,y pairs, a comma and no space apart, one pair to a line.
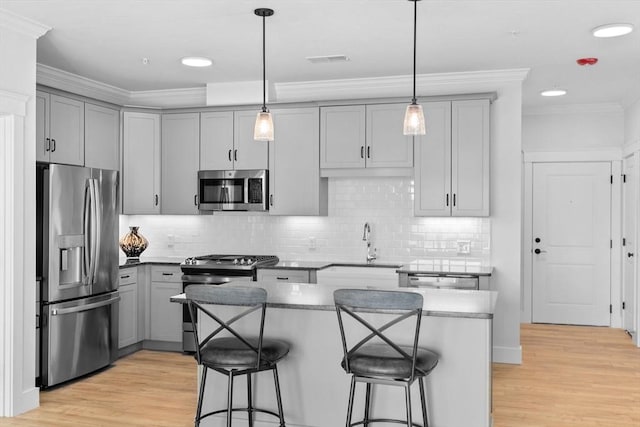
171,239
464,247
312,242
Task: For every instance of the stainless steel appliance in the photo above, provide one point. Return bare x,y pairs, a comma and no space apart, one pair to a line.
440,281
233,190
77,262
215,270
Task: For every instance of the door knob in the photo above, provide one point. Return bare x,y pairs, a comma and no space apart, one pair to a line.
629,254
538,251
537,240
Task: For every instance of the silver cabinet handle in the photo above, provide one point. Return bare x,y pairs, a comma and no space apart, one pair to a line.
53,144
125,277
230,155
235,155
454,199
195,200
282,278
447,199
156,200
167,274
368,152
362,151
47,144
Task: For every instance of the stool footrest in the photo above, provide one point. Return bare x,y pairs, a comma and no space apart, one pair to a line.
223,411
384,420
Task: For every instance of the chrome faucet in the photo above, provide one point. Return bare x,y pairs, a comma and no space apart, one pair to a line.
366,237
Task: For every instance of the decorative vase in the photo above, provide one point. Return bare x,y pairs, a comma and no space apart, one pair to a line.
133,243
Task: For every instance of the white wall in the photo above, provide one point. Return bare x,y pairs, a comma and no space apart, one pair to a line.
573,128
17,213
386,203
632,123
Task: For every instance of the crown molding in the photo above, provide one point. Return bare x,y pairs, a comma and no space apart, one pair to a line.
63,80
602,108
21,24
389,86
169,98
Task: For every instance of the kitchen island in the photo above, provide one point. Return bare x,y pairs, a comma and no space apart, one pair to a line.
456,324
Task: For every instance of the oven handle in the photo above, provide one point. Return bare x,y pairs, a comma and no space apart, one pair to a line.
211,279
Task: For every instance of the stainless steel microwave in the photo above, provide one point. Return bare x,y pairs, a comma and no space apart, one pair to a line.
233,190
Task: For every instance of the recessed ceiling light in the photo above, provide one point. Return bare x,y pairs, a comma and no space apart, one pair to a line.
553,92
196,61
612,30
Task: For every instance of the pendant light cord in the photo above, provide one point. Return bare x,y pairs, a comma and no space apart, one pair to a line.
264,67
415,24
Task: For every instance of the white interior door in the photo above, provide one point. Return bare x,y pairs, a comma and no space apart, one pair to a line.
629,233
571,232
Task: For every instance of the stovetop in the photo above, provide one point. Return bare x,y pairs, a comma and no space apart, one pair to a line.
229,262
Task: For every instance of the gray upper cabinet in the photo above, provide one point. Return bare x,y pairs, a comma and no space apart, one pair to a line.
101,136
452,160
295,186
59,129
248,153
141,163
180,162
342,137
226,142
387,146
216,140
365,137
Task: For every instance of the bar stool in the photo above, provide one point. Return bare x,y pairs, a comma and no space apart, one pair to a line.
235,354
376,359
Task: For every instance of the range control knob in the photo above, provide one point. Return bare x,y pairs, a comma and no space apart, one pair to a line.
249,261
235,261
242,261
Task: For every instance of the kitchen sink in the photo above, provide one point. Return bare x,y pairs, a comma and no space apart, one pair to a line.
364,264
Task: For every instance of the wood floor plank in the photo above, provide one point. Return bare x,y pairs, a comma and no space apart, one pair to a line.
570,376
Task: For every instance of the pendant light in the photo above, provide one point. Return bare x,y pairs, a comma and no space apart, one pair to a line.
263,130
414,117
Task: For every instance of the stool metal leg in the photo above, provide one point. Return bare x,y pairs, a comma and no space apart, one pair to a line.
230,399
203,380
249,400
367,405
423,398
278,396
351,393
407,392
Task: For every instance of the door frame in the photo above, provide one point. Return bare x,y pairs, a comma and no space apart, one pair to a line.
614,156
635,155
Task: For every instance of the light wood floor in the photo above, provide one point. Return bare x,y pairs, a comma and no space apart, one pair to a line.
571,376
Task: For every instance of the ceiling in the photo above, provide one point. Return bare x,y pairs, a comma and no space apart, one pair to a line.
106,40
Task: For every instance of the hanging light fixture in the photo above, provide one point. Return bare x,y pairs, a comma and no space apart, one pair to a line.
263,130
414,117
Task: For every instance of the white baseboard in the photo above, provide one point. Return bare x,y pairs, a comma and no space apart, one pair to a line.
29,400
511,355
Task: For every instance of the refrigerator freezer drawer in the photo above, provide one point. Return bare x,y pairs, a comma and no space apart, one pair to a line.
79,337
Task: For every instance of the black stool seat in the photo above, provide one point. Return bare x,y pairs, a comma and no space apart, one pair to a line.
380,360
231,353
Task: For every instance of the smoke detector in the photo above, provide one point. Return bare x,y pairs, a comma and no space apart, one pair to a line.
587,61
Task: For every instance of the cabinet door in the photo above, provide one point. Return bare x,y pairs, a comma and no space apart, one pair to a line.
66,130
248,153
470,157
216,140
295,187
180,159
342,137
128,316
433,163
387,146
141,163
43,143
102,137
165,317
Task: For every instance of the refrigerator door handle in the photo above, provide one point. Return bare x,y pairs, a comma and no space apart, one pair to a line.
86,222
92,232
98,230
86,307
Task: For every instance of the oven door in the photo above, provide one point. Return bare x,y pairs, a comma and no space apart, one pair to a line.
188,340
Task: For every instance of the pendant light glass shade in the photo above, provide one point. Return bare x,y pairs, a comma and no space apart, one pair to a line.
414,120
263,130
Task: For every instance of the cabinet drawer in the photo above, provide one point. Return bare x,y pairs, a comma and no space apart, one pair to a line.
300,276
166,274
127,276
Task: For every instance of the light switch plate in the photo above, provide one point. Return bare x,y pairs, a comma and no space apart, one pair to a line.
464,247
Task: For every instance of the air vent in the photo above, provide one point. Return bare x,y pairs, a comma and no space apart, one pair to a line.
327,59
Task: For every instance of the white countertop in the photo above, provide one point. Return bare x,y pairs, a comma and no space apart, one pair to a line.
437,302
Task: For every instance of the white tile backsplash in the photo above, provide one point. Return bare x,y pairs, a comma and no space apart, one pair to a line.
386,203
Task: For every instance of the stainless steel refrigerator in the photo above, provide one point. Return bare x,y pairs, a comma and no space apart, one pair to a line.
77,268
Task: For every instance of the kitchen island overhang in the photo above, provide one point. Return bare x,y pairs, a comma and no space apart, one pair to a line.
456,324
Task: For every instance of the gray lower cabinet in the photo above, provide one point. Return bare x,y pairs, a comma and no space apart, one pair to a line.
284,275
128,311
165,317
